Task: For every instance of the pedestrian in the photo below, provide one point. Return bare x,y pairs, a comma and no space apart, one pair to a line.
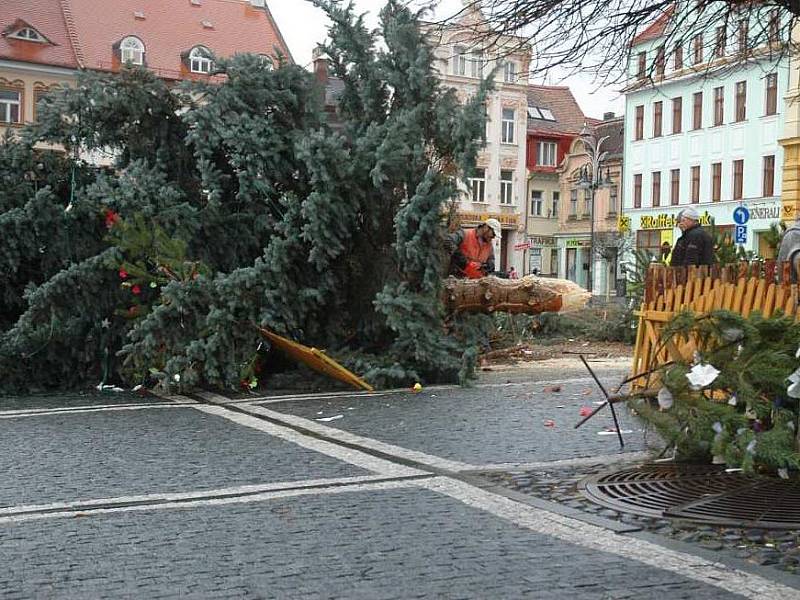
472,250
694,247
666,251
512,273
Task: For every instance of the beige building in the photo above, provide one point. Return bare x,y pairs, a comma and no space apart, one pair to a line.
465,52
585,232
45,43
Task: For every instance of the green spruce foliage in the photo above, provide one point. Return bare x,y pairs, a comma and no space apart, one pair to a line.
235,204
747,417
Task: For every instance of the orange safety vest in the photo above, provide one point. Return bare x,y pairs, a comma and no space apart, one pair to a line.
475,249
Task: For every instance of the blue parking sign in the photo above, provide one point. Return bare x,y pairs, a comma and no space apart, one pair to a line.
741,234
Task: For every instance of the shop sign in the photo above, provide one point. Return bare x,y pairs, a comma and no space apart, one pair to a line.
522,246
668,221
623,224
541,240
507,220
765,212
577,243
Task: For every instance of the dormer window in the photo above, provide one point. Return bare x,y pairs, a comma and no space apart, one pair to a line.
199,61
541,113
132,51
29,34
267,61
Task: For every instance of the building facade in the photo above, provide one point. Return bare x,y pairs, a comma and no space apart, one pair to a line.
497,188
588,242
554,121
45,43
702,122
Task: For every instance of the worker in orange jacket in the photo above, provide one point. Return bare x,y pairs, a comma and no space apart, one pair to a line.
472,251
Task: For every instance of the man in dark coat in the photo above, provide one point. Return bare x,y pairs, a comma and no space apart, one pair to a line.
694,247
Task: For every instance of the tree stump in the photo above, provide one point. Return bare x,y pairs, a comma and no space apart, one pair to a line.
530,295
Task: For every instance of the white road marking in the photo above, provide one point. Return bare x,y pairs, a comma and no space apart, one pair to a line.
82,410
340,435
160,498
600,539
354,394
261,497
604,459
354,457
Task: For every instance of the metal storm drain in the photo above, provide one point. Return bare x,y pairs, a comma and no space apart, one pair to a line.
703,493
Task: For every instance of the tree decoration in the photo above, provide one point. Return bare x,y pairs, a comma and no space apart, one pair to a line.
737,413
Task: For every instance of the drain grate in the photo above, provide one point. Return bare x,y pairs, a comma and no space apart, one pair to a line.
703,493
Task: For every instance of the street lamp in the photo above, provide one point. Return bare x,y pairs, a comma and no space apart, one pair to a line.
591,178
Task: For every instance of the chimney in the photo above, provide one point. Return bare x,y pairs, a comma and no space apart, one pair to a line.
320,60
607,116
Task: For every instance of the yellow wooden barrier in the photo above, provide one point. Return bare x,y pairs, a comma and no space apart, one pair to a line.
764,287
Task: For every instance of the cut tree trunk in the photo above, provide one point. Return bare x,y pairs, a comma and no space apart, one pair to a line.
531,295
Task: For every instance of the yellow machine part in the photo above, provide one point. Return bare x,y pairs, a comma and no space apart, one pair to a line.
315,359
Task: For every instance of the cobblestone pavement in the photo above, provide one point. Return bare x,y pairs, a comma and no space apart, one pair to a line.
247,499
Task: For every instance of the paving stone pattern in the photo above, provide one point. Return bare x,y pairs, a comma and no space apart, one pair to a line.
407,543
74,400
67,457
480,425
774,547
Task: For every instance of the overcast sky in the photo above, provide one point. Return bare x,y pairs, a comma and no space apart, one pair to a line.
304,26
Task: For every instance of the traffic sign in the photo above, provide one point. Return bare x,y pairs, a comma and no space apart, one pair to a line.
741,234
741,215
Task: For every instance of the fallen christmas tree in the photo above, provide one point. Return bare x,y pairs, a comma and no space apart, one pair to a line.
530,295
246,208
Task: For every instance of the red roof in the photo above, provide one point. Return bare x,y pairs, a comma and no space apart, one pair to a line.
656,29
46,17
168,29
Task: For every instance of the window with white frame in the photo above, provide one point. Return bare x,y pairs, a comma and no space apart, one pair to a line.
199,61
477,62
131,51
29,34
536,203
507,135
459,60
573,203
477,185
10,106
506,187
510,71
546,154
556,200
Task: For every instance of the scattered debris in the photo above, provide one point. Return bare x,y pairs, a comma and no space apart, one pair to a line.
327,419
552,389
549,423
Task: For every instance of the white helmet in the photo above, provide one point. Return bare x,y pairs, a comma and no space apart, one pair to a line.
494,225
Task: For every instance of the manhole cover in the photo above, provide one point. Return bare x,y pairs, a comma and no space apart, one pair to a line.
703,493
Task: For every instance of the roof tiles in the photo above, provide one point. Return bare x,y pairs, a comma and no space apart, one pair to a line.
559,99
168,29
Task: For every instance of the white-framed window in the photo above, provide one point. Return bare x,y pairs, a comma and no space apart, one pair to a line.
573,203
459,60
29,34
587,203
477,185
476,64
507,135
556,202
10,106
267,61
510,71
613,200
546,154
536,203
131,50
199,61
506,187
